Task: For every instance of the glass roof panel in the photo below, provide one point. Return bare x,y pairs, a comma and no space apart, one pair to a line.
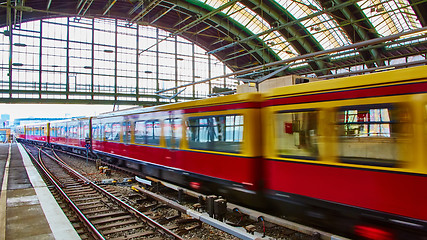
256,24
322,26
390,17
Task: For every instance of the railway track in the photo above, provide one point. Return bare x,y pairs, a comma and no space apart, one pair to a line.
180,211
103,214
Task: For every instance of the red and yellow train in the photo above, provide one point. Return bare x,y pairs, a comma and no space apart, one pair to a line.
347,154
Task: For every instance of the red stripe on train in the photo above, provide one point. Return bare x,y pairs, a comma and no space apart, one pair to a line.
224,107
350,94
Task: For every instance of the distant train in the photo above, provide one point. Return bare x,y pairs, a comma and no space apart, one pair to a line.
348,155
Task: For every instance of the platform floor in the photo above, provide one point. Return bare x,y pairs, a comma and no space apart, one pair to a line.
27,208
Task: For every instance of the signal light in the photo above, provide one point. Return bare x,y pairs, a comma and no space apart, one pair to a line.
372,233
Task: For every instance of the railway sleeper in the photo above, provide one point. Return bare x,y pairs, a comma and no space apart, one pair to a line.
88,199
135,235
95,210
89,206
127,228
105,215
87,203
116,224
112,219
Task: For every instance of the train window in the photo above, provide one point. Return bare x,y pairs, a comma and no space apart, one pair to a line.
85,131
63,131
215,133
108,132
126,132
95,131
368,134
74,131
116,131
153,132
140,135
52,131
173,132
296,134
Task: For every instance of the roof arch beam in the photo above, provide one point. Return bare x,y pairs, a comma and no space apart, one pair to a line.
232,30
357,27
297,35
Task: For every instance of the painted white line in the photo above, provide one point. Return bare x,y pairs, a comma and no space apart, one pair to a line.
3,197
58,222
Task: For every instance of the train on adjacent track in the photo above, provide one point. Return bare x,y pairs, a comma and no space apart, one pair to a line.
348,155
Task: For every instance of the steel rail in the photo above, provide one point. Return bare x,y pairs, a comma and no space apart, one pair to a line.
49,175
137,213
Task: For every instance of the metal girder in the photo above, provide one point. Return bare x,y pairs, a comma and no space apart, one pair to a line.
215,17
271,12
420,8
195,22
229,25
48,5
146,10
284,25
307,56
84,6
162,13
109,6
354,22
206,16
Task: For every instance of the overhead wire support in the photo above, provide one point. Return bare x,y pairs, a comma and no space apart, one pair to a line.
194,23
393,37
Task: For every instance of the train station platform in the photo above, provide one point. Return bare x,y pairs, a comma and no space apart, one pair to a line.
28,209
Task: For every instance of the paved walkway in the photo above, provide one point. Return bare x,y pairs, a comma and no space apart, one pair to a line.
31,211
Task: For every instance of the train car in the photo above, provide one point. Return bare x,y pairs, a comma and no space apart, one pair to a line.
350,154
71,134
20,133
37,133
205,144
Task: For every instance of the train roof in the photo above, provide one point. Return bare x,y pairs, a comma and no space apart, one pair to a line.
380,78
236,98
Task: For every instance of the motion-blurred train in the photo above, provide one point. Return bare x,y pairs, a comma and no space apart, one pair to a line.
348,155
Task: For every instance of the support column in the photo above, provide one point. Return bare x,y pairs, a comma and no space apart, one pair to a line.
210,73
176,67
115,61
40,60
157,63
193,69
92,78
67,87
137,63
9,21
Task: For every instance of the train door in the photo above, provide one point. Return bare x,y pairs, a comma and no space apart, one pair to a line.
173,135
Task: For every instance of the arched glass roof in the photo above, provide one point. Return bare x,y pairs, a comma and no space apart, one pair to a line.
387,18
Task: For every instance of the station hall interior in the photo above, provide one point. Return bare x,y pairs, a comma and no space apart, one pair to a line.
64,60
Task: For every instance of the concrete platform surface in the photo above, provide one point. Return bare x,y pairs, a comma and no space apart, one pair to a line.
31,212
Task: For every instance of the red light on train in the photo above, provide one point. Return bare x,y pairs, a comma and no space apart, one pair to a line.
195,185
372,233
